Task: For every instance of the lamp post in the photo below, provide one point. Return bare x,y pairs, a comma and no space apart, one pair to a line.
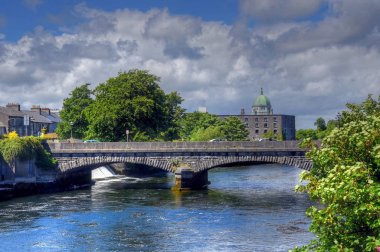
71,134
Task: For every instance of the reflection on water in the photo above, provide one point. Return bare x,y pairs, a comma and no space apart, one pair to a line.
250,208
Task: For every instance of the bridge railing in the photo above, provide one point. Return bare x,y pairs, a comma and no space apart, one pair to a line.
173,146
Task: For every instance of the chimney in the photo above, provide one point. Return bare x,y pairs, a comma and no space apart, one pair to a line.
36,108
46,110
14,106
242,111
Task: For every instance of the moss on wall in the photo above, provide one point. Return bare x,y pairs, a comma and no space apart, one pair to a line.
26,148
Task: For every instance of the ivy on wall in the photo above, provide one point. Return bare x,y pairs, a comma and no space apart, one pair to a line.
26,148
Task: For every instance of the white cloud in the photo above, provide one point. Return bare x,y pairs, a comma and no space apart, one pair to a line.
269,10
306,68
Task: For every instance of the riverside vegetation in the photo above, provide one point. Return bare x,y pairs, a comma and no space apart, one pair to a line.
134,100
345,183
13,147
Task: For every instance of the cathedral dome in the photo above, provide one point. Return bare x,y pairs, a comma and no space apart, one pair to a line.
262,105
262,100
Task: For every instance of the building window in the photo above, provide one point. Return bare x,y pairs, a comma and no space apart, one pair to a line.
265,119
256,125
274,125
274,119
256,131
265,125
256,119
265,131
275,131
246,119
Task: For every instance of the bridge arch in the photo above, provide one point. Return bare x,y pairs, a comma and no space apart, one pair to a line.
90,163
169,164
211,163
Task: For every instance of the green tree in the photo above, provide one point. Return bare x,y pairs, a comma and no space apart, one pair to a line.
133,100
73,112
174,114
270,135
345,181
206,134
320,123
321,132
234,129
192,122
358,112
302,134
199,126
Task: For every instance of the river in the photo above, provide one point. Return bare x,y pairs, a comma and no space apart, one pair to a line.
250,208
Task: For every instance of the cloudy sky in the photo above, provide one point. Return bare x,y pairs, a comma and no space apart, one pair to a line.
310,56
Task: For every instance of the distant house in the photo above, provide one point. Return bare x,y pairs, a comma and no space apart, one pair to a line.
38,122
13,119
27,122
53,117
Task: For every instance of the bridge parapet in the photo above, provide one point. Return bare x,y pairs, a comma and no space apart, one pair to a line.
175,146
200,156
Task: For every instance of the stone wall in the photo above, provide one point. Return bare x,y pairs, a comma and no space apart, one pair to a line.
62,147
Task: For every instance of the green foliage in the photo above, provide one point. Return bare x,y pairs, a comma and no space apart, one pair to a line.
331,124
321,132
73,112
133,101
321,124
273,136
21,148
234,130
199,126
306,133
211,132
140,136
345,180
359,112
26,148
174,114
44,160
190,123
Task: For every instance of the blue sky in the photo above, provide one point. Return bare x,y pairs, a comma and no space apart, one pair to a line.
21,17
311,57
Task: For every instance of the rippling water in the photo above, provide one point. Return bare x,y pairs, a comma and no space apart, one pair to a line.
252,208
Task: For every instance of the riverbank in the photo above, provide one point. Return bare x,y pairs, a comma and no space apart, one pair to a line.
49,182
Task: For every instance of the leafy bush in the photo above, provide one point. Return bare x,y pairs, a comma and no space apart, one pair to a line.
345,181
26,148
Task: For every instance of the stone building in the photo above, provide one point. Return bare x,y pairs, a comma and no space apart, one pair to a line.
38,122
262,120
12,119
27,122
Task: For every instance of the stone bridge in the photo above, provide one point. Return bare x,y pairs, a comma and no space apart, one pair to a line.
193,158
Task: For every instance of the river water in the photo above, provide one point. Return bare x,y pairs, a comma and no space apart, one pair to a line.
251,208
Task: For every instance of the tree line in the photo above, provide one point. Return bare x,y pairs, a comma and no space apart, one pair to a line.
322,130
135,102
